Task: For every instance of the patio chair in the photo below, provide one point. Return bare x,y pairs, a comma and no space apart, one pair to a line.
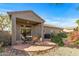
24,39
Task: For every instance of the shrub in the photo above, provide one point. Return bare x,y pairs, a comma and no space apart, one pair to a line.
62,34
58,38
76,42
74,36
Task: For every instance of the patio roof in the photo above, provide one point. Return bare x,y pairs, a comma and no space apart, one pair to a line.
28,15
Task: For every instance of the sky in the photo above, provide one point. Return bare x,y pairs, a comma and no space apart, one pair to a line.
61,15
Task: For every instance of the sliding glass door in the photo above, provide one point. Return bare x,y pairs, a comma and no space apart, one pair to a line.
26,31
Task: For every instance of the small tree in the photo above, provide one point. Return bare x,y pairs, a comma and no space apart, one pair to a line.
5,22
77,21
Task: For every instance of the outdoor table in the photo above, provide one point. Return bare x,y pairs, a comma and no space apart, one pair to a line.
29,37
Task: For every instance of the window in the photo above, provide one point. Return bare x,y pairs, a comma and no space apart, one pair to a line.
47,36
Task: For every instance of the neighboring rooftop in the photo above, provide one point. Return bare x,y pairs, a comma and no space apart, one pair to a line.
51,25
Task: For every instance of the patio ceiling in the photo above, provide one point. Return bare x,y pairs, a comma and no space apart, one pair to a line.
26,22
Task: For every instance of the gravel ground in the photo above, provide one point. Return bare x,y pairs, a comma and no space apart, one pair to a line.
61,51
10,52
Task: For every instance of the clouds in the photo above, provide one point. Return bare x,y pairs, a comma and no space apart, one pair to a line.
62,22
4,10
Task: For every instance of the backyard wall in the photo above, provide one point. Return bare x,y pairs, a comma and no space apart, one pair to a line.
5,37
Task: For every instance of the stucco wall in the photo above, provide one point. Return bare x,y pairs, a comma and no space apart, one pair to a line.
36,30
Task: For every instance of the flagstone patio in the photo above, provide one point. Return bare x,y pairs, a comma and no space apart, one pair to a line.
41,47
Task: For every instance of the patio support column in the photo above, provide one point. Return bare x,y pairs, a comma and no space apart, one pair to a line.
42,35
13,30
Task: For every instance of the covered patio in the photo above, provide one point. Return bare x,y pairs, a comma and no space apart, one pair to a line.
28,20
31,22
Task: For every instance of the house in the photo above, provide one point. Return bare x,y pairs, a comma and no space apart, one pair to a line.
49,28
30,21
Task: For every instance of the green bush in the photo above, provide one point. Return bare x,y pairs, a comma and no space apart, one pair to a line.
62,34
76,42
58,38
